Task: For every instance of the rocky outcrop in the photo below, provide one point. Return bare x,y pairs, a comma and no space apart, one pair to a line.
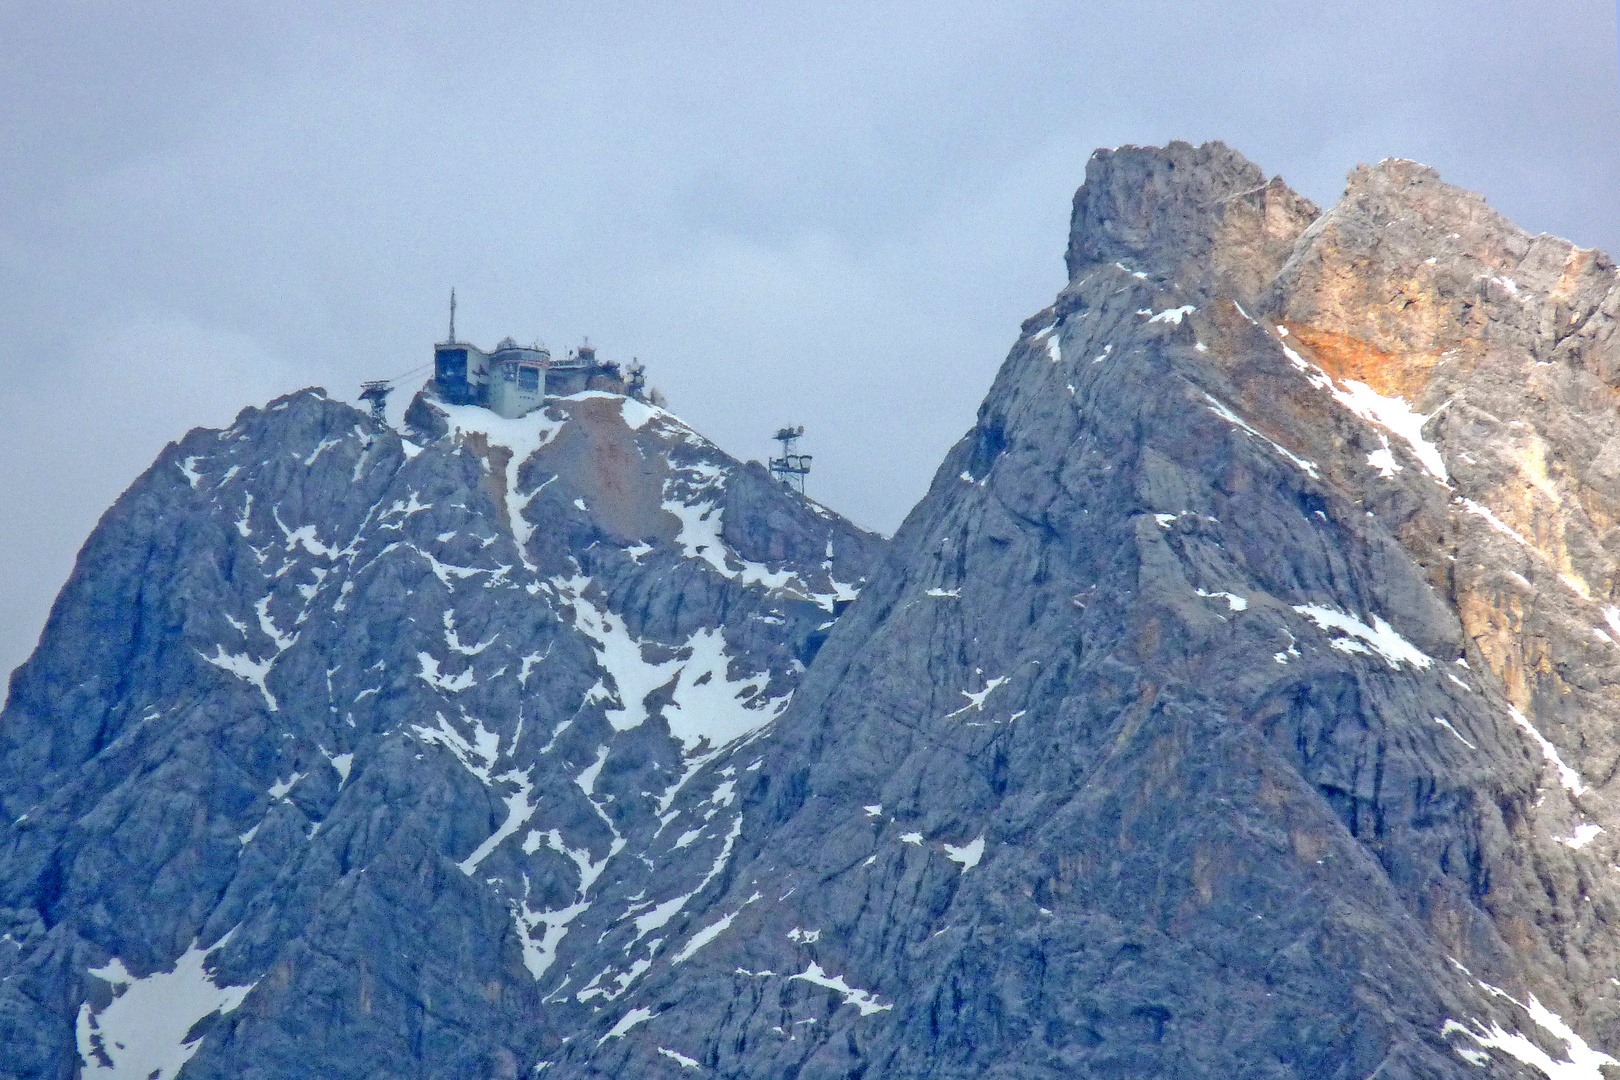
1238,702
1201,216
331,733
1169,743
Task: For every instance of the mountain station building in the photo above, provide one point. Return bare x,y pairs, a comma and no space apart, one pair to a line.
515,379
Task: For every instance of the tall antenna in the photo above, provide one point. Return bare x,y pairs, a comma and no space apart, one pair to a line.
790,467
452,314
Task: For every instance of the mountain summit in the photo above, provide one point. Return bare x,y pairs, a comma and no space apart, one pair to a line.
1237,703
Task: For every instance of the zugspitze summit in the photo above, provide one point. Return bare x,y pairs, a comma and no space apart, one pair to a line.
1241,700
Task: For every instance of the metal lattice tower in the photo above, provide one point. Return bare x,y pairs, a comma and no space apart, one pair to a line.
791,466
376,392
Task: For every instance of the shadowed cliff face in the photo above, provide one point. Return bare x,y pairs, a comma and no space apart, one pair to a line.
1237,703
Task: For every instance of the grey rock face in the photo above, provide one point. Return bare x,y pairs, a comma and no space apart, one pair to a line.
1168,744
365,720
1202,216
1239,702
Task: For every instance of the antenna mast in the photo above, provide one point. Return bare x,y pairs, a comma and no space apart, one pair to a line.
452,315
790,467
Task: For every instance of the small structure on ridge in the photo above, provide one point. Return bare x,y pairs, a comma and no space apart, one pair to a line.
514,379
376,392
791,467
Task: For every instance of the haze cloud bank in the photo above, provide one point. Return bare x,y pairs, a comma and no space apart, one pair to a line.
825,216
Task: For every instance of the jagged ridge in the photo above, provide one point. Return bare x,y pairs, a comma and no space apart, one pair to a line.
1170,742
1237,702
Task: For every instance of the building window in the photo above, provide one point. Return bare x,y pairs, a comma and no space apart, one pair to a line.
452,365
529,379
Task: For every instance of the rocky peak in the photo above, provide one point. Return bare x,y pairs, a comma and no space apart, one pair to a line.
1438,384
1407,271
1241,700
369,695
1198,215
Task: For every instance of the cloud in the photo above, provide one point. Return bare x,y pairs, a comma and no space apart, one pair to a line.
827,214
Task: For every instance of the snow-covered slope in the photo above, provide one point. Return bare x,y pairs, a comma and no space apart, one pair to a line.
1240,702
333,735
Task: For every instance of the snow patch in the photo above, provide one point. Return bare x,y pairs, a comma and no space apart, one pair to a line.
1220,410
1173,315
141,1033
519,809
1566,775
453,639
976,700
267,625
246,668
323,445
304,536
1495,522
587,777
1292,652
523,437
1379,638
477,755
1383,460
861,999
1584,1062
1054,344
1443,722
709,933
429,674
1585,833
539,955
1391,413
666,911
968,854
685,1062
278,790
637,414
706,704
629,1020
342,763
700,539
1233,600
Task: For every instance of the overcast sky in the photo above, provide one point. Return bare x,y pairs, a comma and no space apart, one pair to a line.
833,215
